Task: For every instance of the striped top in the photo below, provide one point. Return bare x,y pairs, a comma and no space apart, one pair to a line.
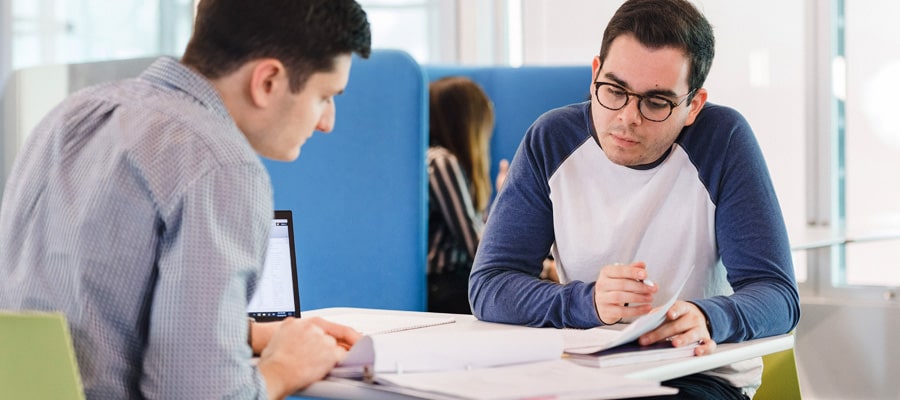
454,227
139,210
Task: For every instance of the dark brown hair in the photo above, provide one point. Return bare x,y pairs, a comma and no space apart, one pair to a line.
305,35
666,23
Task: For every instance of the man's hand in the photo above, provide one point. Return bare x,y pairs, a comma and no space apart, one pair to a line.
620,292
685,324
301,352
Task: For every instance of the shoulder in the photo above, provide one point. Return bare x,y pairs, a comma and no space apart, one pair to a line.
556,135
717,128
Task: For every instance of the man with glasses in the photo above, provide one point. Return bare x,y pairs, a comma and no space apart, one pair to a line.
646,181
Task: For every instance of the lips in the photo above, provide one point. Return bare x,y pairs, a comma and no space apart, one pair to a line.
622,141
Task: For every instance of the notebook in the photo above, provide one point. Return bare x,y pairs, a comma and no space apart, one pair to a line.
633,353
277,292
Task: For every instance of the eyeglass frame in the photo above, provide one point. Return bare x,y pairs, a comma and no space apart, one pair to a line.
641,97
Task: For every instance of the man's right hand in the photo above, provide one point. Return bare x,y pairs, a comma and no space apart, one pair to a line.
620,293
302,352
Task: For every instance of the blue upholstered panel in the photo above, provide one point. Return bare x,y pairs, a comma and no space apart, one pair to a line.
359,193
520,95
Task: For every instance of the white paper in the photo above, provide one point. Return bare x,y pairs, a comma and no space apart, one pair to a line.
593,340
424,350
374,324
558,379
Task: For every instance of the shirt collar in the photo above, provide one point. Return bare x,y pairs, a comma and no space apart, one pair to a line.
167,71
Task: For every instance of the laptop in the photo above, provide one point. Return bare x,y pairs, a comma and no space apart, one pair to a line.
277,293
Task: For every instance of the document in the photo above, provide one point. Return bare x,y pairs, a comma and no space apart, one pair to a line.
632,353
592,340
555,379
427,351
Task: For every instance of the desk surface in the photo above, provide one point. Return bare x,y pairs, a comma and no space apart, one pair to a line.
725,354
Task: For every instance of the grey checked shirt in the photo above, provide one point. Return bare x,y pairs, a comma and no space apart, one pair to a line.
139,210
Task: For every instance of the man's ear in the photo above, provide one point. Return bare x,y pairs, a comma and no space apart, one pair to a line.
696,105
268,79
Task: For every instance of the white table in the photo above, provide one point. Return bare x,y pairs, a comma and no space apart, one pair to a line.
725,354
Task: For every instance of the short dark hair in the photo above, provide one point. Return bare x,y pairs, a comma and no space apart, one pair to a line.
666,23
305,35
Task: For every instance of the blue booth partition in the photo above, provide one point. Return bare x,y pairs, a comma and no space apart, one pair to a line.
359,194
520,96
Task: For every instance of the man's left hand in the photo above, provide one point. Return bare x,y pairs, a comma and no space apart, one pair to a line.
684,324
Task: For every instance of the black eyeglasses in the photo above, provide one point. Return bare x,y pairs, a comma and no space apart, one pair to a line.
653,108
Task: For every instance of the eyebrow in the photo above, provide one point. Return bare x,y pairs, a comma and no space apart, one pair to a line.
656,92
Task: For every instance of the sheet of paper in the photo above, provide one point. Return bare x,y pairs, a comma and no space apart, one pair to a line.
424,350
593,340
374,324
556,379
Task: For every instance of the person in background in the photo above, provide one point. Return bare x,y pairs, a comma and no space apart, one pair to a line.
646,180
141,210
461,124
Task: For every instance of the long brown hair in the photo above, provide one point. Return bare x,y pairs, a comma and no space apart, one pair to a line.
462,120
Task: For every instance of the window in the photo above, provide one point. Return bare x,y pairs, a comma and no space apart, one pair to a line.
73,31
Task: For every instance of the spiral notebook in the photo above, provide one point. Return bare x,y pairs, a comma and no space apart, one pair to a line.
369,324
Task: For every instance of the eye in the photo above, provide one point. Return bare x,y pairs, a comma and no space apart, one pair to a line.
656,103
615,91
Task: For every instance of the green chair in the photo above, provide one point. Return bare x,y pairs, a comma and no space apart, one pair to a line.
37,360
779,380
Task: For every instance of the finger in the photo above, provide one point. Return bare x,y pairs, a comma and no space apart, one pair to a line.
707,346
345,335
635,271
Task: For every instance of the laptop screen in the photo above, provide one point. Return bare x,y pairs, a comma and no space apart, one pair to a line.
277,295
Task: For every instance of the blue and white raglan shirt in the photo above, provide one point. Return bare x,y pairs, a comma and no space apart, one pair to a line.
709,203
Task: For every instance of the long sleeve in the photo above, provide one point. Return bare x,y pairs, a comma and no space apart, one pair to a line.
454,225
197,342
505,285
751,236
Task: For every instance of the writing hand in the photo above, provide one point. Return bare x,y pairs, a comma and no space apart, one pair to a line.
684,324
619,285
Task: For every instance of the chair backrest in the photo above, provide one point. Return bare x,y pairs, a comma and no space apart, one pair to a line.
780,380
359,194
37,360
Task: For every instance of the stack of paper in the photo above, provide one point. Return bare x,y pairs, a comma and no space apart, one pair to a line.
422,351
609,346
555,379
504,363
632,353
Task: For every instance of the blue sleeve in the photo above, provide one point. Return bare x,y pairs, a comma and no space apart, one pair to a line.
504,285
750,233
